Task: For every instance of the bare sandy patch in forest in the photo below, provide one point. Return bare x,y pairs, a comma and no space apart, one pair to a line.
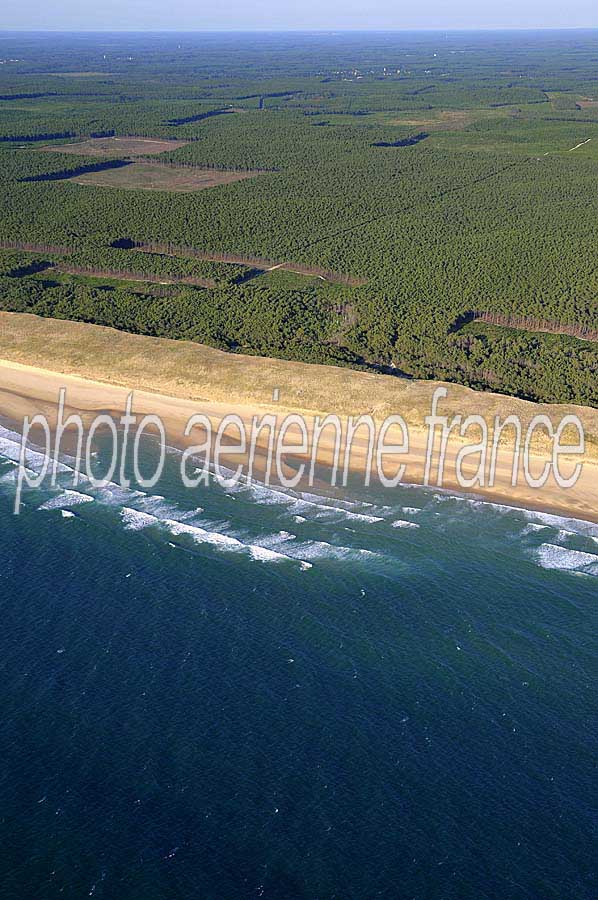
117,146
148,177
441,119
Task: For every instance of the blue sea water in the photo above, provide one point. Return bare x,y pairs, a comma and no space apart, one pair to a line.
227,694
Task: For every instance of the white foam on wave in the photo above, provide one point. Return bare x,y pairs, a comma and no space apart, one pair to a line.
324,550
411,510
267,496
532,528
9,433
112,494
363,517
334,502
157,505
13,474
202,535
264,554
35,457
258,552
477,503
303,502
563,523
67,514
66,499
275,540
135,520
564,535
552,556
403,523
327,511
560,523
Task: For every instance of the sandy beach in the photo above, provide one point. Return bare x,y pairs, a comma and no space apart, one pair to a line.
99,367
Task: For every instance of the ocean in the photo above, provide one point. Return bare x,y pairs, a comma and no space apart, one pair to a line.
226,694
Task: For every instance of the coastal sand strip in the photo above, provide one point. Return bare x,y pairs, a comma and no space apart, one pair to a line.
99,366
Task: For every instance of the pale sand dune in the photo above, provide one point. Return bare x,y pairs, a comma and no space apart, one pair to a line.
99,366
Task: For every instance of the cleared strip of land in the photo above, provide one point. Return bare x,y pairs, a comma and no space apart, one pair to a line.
530,324
124,275
35,248
253,262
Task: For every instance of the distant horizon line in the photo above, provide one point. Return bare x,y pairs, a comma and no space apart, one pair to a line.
18,29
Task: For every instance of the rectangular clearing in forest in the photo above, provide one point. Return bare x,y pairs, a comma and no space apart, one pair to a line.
145,176
117,146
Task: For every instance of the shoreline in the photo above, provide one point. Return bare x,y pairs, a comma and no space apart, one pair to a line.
29,389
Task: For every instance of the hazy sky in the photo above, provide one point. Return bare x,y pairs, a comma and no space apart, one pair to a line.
241,15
